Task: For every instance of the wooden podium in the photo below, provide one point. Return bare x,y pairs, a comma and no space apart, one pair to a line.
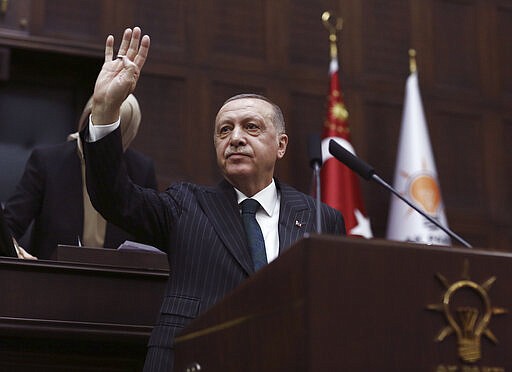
345,304
93,310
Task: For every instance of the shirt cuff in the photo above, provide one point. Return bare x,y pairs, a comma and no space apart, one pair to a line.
97,132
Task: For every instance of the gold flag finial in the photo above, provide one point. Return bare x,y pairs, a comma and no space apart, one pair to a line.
412,61
333,26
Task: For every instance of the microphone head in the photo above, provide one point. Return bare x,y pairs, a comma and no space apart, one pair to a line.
315,150
350,160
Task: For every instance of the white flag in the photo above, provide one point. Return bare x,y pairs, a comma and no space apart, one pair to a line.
416,178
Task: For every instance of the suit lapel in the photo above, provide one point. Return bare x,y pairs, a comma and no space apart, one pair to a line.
220,205
295,217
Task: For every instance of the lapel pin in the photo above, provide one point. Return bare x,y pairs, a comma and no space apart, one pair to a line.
298,224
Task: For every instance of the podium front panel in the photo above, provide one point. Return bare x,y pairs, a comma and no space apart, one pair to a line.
332,303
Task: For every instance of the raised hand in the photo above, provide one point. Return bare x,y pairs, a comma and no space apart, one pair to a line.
119,75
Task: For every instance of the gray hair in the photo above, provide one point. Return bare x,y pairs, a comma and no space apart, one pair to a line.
277,116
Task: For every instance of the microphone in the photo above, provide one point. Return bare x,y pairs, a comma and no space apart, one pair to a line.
368,172
315,150
315,161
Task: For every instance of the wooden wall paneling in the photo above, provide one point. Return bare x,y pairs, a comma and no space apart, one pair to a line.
382,117
492,157
503,238
386,39
350,43
457,138
236,34
476,232
163,134
198,31
491,222
421,40
167,23
79,21
488,52
201,34
307,115
504,50
456,52
502,196
277,37
504,168
200,121
308,38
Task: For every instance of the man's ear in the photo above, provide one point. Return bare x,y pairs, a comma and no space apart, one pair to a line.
283,143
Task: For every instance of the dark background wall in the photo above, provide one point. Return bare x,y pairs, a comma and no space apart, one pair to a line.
203,52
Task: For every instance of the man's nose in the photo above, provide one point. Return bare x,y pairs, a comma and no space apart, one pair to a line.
237,137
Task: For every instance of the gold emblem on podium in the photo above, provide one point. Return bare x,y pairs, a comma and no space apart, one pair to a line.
466,306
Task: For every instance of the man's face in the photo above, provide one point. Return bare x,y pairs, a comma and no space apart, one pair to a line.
247,143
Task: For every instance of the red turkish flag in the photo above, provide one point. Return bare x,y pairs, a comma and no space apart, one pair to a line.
340,185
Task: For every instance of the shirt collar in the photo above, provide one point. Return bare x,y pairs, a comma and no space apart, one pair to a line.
266,197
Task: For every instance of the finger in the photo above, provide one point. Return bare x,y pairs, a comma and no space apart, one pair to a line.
109,48
134,43
127,36
142,54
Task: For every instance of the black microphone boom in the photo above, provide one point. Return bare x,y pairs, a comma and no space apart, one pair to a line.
368,172
350,160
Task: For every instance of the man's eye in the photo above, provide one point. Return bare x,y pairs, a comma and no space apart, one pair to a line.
224,130
252,127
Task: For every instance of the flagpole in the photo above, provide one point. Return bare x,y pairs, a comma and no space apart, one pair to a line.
333,30
412,61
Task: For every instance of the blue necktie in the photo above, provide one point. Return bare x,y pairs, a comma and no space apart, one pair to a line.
253,231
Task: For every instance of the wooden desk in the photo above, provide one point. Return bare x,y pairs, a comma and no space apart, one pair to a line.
65,316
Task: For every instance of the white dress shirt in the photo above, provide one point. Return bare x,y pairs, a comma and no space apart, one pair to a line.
267,217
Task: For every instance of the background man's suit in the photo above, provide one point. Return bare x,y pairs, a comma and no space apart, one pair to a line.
199,227
50,192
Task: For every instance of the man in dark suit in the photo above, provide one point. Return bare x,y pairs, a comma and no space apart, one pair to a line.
200,228
52,193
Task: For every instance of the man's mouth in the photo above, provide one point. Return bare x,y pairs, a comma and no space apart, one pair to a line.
236,154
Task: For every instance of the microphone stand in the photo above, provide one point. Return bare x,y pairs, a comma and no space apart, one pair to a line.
316,176
367,172
453,235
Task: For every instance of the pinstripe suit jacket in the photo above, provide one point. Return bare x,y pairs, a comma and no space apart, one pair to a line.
199,227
